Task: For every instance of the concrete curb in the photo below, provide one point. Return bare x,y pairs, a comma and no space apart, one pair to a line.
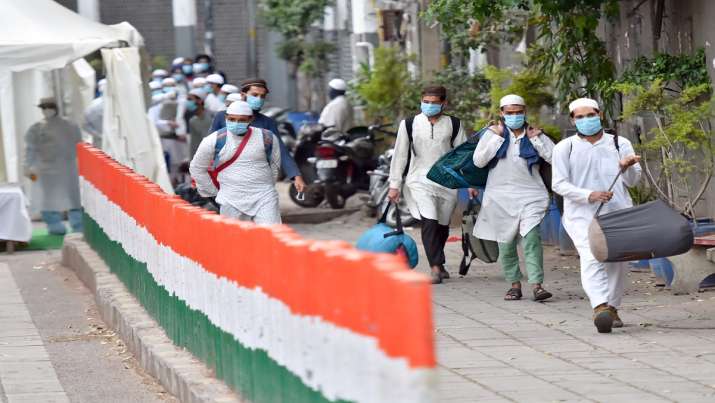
176,369
316,216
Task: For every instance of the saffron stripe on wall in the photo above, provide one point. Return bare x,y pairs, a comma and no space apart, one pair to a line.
372,296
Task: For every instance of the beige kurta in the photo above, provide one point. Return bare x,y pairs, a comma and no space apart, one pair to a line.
430,142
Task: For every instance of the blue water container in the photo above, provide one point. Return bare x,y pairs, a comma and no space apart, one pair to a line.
550,225
565,243
663,268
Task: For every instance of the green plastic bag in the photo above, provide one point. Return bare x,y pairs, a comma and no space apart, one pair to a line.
456,169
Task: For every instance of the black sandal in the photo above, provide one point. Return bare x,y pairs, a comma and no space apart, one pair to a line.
514,294
541,294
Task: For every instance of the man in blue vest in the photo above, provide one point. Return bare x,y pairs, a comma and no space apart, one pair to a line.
254,91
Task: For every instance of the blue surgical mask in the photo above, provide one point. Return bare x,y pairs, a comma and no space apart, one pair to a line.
237,127
169,90
178,77
208,88
191,105
222,98
187,69
431,109
157,92
256,103
204,66
515,122
589,126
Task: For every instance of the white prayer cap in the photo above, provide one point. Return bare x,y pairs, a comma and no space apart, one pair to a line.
214,79
581,102
234,97
229,89
154,85
168,81
159,73
198,82
239,108
178,60
511,99
338,84
199,93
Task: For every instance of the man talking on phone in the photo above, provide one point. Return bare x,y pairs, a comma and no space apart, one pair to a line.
515,199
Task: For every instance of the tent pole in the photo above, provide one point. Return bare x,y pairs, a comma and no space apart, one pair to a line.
59,93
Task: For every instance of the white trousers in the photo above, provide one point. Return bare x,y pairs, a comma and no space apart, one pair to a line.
264,216
603,283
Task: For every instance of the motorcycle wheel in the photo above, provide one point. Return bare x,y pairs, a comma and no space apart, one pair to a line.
402,209
313,196
335,198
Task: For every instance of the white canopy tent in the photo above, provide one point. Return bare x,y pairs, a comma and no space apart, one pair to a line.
41,46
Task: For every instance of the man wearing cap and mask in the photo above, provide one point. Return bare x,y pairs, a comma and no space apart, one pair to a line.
245,168
51,160
200,120
337,113
94,114
254,91
226,90
515,198
159,74
584,166
213,102
433,135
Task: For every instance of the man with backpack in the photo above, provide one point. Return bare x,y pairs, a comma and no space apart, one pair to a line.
585,167
421,141
515,198
239,166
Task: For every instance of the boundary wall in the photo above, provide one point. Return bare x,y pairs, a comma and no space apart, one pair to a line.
277,317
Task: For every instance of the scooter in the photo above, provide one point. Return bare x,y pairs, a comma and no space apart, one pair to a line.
379,187
309,136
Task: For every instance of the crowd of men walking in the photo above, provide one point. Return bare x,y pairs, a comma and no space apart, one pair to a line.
235,156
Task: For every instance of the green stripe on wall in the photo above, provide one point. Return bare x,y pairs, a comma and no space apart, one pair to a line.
251,372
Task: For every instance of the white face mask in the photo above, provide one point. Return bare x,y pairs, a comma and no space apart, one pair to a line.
49,112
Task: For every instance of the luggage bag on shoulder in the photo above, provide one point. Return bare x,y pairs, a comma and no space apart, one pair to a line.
381,238
456,169
473,247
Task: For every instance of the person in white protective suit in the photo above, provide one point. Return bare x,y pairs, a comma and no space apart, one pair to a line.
168,117
51,160
515,198
584,166
433,135
338,112
94,114
213,100
245,169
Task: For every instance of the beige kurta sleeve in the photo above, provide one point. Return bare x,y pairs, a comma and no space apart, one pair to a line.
399,157
200,164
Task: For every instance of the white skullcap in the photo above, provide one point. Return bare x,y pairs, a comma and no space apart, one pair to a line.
338,84
233,97
511,99
239,108
198,82
178,60
214,79
199,93
168,81
159,73
581,102
229,89
154,85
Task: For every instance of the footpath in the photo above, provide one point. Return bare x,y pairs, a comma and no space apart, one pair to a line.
491,350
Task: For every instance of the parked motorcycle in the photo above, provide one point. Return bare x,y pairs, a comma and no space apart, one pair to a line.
379,187
309,136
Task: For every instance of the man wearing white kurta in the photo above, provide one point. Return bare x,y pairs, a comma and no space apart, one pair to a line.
338,112
247,186
584,166
515,199
429,202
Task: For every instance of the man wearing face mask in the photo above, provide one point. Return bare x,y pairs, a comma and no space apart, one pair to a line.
200,120
254,91
239,165
584,166
51,160
421,141
213,102
515,198
337,113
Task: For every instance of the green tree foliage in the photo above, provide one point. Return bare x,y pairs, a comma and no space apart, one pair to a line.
293,19
678,152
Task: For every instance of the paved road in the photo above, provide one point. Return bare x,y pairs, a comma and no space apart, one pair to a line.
53,345
491,350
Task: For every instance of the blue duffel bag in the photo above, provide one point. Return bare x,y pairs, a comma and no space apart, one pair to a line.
382,238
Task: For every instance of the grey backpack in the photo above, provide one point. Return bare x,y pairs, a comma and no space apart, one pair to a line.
473,247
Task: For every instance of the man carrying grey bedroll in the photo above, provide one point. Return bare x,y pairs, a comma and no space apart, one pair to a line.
433,134
51,160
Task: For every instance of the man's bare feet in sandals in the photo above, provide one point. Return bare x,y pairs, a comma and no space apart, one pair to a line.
514,293
540,294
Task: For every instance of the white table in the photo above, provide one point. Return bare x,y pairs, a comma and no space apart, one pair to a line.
15,224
